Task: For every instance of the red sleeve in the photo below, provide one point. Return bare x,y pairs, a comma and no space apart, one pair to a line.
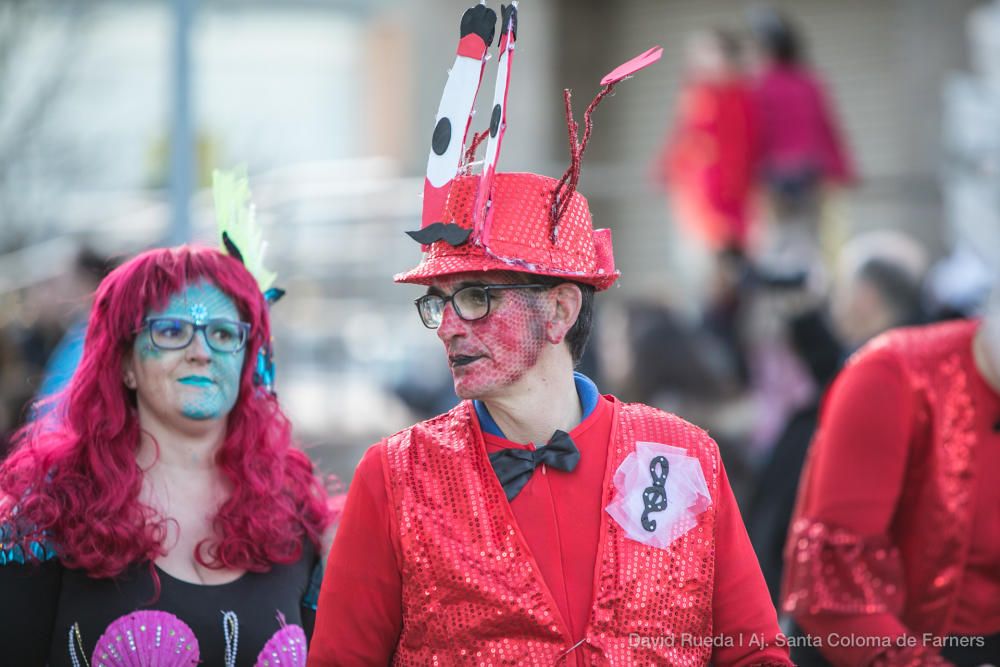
859,453
360,603
840,539
838,163
742,613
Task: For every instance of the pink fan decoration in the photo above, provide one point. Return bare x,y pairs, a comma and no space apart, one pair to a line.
146,639
286,648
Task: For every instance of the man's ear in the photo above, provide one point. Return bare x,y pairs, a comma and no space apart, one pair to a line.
567,300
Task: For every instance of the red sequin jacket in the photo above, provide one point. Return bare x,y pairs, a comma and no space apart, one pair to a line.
895,532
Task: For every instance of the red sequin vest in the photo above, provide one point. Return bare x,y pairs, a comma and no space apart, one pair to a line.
472,592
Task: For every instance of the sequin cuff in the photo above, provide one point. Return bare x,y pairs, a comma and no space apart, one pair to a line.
835,570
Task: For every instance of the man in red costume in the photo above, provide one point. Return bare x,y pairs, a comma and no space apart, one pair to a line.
893,557
538,522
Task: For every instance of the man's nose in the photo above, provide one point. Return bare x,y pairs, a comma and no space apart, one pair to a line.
451,324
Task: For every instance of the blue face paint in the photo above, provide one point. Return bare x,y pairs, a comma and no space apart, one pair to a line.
200,383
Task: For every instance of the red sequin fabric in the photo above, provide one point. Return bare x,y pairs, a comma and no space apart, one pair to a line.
472,592
518,235
910,656
913,572
835,570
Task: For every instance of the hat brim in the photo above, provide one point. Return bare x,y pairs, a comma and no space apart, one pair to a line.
436,267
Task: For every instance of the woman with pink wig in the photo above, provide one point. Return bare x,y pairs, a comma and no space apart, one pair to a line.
162,512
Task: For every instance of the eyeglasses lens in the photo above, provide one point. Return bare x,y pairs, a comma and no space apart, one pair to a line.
431,308
224,336
171,334
473,302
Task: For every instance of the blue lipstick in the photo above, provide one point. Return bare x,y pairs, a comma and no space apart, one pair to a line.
196,381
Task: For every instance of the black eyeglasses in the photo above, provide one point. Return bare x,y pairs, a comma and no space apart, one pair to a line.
470,303
172,333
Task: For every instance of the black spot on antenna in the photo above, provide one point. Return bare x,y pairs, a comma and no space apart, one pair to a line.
495,120
442,136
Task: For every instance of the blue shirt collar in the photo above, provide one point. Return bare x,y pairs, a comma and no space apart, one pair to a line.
585,389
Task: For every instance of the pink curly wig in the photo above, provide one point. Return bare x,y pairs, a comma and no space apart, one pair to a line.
75,476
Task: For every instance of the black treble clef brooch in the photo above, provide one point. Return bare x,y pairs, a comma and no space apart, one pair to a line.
655,497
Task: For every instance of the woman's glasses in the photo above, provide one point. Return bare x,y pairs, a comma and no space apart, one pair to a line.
172,333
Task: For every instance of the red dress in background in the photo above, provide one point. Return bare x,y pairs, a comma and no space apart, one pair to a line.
708,162
896,532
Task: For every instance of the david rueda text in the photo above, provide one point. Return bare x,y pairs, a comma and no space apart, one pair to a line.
686,640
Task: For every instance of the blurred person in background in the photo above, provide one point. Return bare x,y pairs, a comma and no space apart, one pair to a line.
12,398
36,316
41,339
166,511
877,287
801,154
706,164
895,532
89,269
466,538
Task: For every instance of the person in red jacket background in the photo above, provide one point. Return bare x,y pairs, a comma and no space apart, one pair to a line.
707,164
895,538
538,522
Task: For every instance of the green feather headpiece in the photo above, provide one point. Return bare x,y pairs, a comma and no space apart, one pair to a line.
241,236
242,239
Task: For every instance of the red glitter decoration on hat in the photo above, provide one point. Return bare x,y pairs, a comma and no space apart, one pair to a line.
470,153
522,207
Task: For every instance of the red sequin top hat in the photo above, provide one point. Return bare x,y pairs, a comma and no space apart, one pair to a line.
506,221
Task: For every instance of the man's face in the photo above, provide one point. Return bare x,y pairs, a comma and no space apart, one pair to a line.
487,355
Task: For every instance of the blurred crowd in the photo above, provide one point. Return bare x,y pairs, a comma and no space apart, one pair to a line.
41,336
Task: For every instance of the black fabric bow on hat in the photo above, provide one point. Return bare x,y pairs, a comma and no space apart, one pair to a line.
514,467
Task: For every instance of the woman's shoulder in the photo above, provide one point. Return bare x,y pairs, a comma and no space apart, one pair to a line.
21,538
23,544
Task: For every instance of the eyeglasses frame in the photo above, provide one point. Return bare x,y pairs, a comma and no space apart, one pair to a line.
195,328
489,300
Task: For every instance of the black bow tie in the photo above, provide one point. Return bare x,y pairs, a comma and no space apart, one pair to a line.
515,466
